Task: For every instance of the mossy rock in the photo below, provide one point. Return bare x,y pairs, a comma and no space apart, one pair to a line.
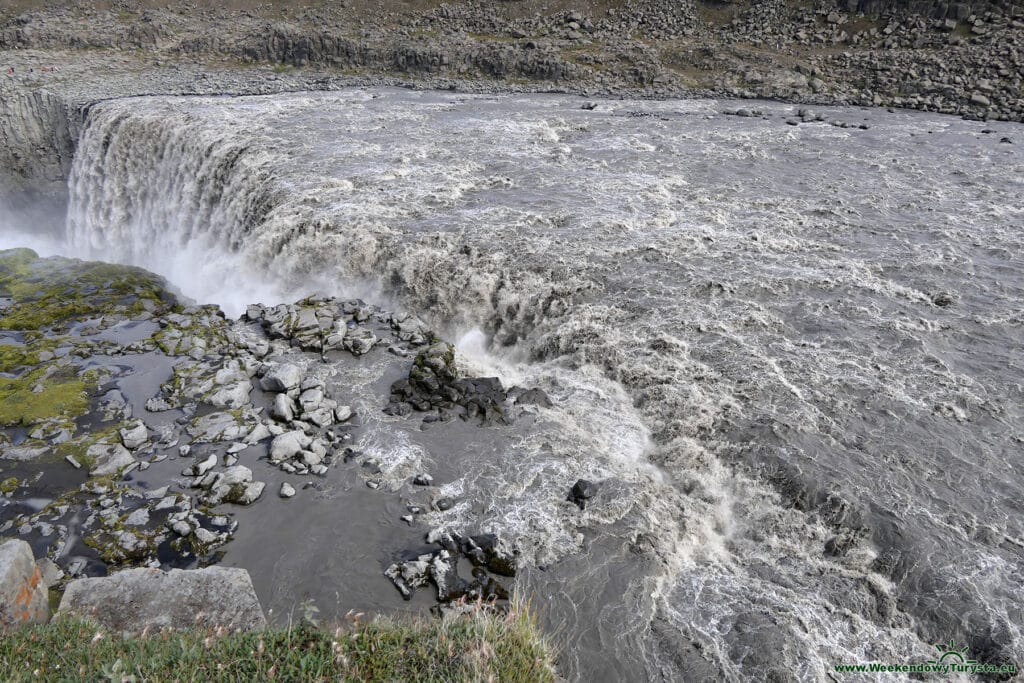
52,292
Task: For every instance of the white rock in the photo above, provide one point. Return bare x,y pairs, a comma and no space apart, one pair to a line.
133,437
287,490
181,527
310,459
258,433
205,466
239,474
205,536
310,399
232,396
321,417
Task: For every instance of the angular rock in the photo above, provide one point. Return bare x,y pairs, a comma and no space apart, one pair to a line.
288,445
133,599
23,595
245,494
239,474
217,427
284,377
108,458
283,408
582,491
135,436
232,395
205,466
310,399
258,433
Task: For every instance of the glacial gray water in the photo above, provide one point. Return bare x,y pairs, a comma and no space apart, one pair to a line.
792,355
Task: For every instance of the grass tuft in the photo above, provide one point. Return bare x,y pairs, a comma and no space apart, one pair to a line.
481,646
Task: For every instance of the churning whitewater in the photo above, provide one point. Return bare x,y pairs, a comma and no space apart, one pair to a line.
791,354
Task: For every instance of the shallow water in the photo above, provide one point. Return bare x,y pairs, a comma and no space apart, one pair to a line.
805,459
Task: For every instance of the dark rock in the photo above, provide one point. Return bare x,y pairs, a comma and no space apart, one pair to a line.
536,397
582,491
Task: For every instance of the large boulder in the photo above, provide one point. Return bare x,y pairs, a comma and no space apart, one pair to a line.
284,377
133,599
23,595
288,445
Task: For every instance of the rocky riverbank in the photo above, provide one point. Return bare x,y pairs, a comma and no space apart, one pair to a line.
133,424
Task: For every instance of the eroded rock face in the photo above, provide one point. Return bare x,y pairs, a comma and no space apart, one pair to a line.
133,599
23,596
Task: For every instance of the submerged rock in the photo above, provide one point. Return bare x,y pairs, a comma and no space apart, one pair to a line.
582,491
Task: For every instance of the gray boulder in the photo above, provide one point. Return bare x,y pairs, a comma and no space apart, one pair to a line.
23,596
108,458
232,395
288,445
284,377
283,408
133,599
133,437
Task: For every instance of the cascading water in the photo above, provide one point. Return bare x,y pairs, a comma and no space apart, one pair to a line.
805,459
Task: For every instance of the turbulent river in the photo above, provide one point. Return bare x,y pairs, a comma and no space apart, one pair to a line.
793,356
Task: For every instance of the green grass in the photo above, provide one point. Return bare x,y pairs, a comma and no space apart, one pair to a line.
481,647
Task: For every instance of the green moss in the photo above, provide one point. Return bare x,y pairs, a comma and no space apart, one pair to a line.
107,544
59,395
14,356
8,485
50,292
478,647
78,447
